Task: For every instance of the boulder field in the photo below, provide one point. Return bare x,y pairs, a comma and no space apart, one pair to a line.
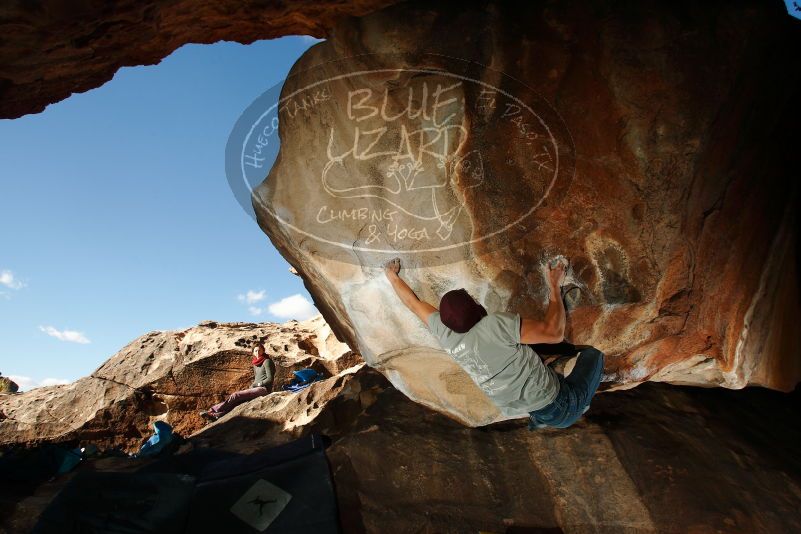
171,376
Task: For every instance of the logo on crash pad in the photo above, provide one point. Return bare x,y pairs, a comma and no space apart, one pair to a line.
261,504
380,158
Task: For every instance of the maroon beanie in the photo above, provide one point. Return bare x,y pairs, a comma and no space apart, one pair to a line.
459,311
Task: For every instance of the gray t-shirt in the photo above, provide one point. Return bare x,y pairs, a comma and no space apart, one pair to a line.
511,374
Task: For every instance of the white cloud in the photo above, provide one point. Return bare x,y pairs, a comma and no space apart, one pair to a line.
310,39
294,307
253,310
53,381
24,382
65,335
8,279
252,297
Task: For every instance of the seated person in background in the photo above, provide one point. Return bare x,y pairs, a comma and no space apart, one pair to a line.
263,373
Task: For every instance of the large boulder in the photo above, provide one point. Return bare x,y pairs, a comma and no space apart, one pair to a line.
171,376
649,143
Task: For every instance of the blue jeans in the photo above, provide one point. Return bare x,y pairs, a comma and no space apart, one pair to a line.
575,392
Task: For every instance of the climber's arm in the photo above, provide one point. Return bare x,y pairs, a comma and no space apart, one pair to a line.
405,293
552,328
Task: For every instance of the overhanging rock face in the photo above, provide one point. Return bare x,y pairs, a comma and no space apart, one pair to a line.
649,144
51,48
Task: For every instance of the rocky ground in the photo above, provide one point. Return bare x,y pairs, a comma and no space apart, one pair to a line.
656,458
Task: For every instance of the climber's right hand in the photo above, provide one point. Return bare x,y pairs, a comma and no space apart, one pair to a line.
392,266
556,273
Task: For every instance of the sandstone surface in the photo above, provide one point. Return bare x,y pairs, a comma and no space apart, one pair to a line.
649,143
171,376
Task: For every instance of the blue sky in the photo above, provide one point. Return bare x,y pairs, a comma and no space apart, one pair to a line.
116,218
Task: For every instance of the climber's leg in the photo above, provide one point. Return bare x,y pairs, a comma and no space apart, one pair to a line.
575,392
557,412
586,375
235,399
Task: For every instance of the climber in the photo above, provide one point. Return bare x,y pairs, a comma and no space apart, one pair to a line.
263,373
494,350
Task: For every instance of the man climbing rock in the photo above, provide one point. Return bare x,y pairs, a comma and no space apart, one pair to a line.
493,348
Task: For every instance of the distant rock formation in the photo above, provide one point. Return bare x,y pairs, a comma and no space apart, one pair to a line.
649,143
7,385
171,376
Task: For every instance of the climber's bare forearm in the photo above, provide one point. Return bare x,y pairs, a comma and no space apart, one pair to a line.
555,314
409,298
551,329
402,289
